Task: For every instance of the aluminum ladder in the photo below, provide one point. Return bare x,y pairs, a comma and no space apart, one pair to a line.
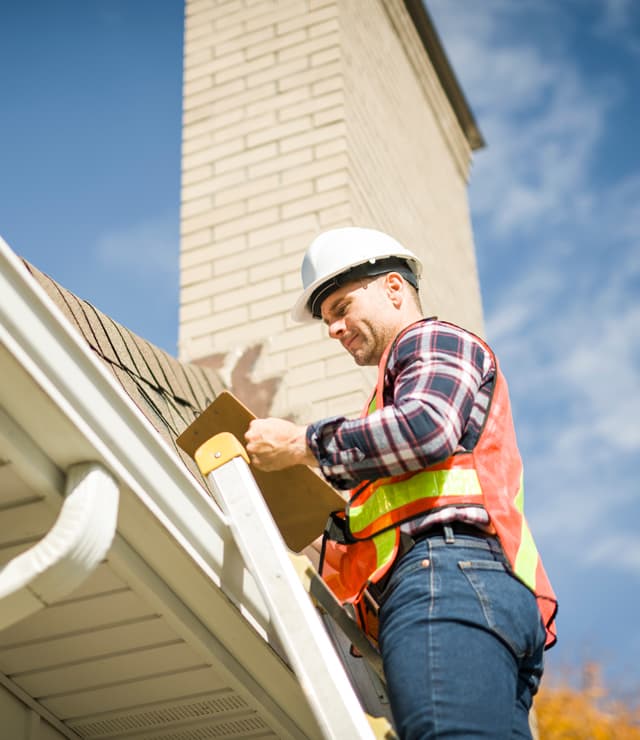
286,581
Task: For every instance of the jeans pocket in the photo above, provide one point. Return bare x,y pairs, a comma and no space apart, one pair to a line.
508,606
400,574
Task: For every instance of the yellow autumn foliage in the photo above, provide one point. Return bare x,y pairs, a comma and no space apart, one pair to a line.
588,713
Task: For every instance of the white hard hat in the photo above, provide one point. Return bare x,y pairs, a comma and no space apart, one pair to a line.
339,256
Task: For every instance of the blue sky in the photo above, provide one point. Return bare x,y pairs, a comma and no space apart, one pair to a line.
89,192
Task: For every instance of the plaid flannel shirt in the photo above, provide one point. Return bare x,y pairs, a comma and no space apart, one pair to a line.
437,389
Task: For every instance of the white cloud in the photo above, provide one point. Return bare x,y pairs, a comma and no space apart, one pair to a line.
617,21
146,248
623,550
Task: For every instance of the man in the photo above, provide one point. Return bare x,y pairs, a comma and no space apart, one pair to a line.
434,533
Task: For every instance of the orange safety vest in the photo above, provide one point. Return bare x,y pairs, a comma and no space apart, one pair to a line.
490,475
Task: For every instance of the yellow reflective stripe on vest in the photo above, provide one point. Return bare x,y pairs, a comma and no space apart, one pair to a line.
385,543
427,484
526,560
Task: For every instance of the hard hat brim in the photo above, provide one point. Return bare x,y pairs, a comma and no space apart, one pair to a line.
301,311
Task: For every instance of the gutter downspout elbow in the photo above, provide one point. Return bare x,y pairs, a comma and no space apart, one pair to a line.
71,550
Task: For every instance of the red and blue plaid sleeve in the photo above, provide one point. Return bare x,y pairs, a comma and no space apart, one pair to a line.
437,387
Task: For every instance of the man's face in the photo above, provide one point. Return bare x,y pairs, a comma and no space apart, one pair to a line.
359,316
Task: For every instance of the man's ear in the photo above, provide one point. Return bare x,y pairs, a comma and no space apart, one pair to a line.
394,287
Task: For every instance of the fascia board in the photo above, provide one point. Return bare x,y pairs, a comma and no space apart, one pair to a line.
38,336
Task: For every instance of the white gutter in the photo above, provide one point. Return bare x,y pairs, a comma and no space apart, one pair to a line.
69,552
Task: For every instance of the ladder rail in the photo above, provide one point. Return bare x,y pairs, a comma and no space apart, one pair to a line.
298,625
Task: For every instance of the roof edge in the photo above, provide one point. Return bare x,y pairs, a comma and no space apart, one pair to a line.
433,45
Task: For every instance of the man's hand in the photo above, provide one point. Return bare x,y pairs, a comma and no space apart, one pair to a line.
274,444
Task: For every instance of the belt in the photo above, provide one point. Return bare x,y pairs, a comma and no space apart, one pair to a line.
439,529
407,542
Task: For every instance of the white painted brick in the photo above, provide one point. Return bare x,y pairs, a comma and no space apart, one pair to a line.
210,287
213,94
348,404
196,143
336,179
326,27
275,44
278,72
211,70
339,215
251,70
196,174
311,352
214,153
195,59
309,47
329,148
247,126
215,217
282,266
326,56
196,206
196,30
311,372
313,137
210,125
291,245
307,19
191,348
245,158
315,203
280,163
191,242
196,7
328,116
246,223
253,44
281,131
315,4
311,105
194,275
211,255
191,311
235,15
309,76
243,259
294,338
233,101
234,317
303,225
279,195
279,304
314,168
242,334
329,84
214,185
276,101
202,82
248,188
227,299
273,17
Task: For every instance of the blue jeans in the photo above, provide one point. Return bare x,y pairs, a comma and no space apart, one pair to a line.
461,640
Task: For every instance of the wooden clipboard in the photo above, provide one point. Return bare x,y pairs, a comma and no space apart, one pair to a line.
299,499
